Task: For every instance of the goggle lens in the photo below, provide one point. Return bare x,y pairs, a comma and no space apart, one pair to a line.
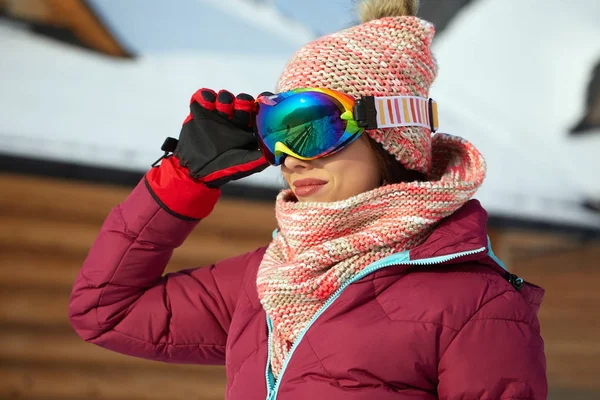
307,123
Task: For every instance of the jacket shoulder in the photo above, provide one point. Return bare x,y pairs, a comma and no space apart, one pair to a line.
450,295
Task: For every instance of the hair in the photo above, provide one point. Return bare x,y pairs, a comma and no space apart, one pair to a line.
376,9
392,171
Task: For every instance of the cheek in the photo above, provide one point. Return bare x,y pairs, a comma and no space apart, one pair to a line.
355,178
285,176
370,177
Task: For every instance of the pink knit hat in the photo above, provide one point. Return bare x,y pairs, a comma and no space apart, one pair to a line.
387,55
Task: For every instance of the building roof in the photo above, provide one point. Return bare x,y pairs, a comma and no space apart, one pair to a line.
515,93
72,21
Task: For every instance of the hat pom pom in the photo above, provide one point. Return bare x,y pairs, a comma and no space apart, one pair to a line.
375,9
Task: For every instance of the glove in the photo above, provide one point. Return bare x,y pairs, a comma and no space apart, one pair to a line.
216,145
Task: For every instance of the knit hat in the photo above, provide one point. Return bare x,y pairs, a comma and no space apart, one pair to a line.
388,54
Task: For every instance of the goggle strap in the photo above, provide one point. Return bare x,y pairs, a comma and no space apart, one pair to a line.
396,111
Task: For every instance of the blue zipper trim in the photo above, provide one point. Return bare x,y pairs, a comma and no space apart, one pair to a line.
493,256
402,258
269,373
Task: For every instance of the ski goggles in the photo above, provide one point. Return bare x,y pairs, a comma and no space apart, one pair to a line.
310,123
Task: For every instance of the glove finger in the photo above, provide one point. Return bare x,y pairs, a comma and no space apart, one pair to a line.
243,111
206,98
208,135
224,105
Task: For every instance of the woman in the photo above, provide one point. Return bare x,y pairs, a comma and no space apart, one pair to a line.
379,283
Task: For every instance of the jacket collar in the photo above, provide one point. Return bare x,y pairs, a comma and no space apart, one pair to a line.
465,230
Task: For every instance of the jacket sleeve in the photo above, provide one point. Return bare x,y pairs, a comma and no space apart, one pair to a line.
498,354
122,301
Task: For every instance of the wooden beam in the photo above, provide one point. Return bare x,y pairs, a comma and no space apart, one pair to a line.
87,26
66,348
87,203
24,267
75,15
47,381
69,237
31,10
511,245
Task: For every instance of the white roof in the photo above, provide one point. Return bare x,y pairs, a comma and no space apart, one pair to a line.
512,80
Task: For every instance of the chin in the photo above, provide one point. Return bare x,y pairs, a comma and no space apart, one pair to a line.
310,199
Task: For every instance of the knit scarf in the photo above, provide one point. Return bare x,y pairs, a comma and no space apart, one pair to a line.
319,246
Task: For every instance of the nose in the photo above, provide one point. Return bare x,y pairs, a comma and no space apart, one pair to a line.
293,163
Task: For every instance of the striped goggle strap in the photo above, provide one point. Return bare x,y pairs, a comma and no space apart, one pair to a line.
389,112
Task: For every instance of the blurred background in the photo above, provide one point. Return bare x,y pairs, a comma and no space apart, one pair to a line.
89,89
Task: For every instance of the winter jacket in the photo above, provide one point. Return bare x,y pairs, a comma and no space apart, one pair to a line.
443,320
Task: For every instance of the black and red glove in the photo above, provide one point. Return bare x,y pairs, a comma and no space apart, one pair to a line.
216,145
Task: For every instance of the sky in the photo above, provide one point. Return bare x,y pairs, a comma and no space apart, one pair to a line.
157,26
323,16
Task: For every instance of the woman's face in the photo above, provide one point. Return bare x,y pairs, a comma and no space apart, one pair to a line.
348,172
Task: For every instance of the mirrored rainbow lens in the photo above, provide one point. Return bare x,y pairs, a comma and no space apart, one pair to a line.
308,123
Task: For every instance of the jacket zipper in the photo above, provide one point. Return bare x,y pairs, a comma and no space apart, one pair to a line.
268,374
273,385
515,281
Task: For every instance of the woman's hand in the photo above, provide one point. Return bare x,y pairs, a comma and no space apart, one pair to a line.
216,143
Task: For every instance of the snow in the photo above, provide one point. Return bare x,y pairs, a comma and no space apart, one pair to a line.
513,77
62,103
513,80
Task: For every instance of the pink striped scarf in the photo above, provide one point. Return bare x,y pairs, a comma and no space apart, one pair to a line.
319,246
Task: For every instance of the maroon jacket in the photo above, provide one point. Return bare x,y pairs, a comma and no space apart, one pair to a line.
443,321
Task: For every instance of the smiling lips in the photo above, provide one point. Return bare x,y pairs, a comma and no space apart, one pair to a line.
307,187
